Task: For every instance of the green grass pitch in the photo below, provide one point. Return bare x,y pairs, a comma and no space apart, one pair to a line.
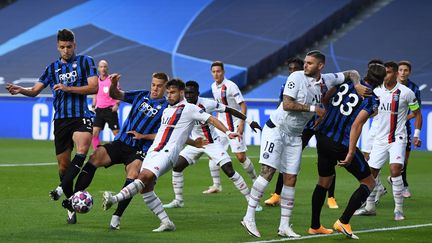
27,213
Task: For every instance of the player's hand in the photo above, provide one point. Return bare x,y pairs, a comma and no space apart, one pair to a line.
200,142
366,156
61,87
363,90
417,142
115,77
254,125
136,135
13,89
115,108
232,135
320,111
347,161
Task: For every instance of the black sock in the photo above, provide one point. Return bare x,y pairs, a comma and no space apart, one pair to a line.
318,198
123,204
61,176
332,187
72,171
279,184
404,176
356,200
85,177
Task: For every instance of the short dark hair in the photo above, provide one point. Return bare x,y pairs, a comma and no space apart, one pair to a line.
375,61
375,74
65,35
177,83
406,63
193,83
217,64
160,75
392,65
295,60
317,54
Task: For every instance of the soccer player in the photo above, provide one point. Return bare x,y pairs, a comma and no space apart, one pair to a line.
177,123
134,139
281,145
105,107
337,136
404,71
391,136
71,78
296,64
227,92
214,150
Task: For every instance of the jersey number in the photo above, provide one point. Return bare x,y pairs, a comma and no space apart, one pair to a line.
269,147
345,109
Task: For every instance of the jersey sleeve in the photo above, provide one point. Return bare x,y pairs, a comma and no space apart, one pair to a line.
418,96
90,67
333,79
130,96
292,85
46,77
371,104
198,114
213,105
413,103
235,92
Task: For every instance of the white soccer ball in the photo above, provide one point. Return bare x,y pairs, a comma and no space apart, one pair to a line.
82,202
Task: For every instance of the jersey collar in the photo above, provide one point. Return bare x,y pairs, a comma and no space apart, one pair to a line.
222,83
181,102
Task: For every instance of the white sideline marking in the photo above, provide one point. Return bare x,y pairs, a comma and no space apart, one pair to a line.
355,232
46,164
28,164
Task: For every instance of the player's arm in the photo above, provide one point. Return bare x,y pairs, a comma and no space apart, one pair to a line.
198,143
290,104
114,91
139,136
253,124
418,125
354,76
219,125
355,132
90,88
31,91
94,102
243,109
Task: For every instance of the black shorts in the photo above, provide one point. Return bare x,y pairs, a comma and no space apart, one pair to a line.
306,136
106,115
64,130
121,153
329,152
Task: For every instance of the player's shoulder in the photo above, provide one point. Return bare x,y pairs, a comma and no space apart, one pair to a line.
404,89
297,75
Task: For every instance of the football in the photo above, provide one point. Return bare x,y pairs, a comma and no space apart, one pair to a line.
82,202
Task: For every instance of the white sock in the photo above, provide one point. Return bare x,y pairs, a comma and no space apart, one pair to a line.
249,167
240,184
370,201
215,173
177,182
129,191
397,187
287,205
378,183
255,195
155,205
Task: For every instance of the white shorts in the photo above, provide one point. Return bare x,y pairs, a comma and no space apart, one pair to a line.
157,162
280,151
382,152
214,151
237,146
367,145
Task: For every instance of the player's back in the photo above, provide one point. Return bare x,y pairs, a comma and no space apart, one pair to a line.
342,111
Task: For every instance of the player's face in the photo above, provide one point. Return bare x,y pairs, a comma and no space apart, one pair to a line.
66,49
390,75
157,88
191,94
403,72
103,68
218,74
174,95
312,66
292,67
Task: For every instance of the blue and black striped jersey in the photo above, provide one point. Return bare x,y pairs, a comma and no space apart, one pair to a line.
342,110
73,73
144,117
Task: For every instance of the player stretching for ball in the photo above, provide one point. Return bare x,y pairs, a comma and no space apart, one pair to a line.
178,121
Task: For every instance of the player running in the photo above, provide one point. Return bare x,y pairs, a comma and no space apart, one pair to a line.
178,121
215,150
71,78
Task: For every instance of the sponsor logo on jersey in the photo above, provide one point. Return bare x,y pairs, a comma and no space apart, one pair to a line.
148,109
70,77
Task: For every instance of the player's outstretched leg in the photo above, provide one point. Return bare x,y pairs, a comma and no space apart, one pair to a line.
287,205
275,197
331,200
178,184
318,198
247,165
155,205
127,192
215,174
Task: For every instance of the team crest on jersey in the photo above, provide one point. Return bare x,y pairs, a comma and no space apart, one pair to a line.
266,155
291,85
105,90
74,65
396,97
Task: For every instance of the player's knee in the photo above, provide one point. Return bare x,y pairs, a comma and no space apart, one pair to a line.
241,157
228,169
267,172
290,180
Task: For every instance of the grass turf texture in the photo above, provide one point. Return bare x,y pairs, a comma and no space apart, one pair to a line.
27,213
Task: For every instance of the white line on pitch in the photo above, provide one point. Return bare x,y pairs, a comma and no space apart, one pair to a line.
28,164
356,232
